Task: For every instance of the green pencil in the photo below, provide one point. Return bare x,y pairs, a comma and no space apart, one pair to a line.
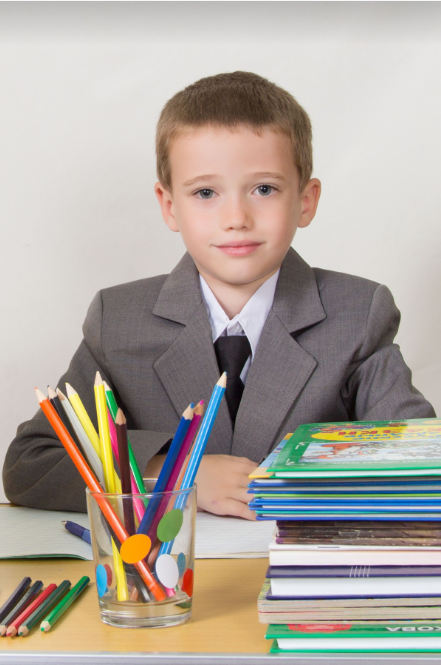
113,408
62,606
41,611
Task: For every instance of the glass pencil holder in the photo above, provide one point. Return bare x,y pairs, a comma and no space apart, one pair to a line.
143,551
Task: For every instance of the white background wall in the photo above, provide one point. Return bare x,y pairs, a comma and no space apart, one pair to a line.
81,89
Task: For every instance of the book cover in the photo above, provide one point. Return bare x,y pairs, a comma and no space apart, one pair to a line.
352,571
362,447
346,636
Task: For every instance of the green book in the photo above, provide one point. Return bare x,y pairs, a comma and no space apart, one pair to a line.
383,448
345,636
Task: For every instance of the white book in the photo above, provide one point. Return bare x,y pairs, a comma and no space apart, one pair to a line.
335,555
360,644
301,587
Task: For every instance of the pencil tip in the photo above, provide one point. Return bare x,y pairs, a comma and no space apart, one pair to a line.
188,413
60,395
98,379
120,418
106,386
69,390
40,396
51,392
223,381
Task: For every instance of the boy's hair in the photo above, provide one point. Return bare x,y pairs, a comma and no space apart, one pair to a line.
229,100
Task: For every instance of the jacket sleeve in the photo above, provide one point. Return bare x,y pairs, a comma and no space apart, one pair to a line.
38,471
380,387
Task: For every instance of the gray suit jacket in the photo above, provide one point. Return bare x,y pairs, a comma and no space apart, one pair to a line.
326,353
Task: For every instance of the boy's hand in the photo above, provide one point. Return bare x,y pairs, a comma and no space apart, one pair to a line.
222,485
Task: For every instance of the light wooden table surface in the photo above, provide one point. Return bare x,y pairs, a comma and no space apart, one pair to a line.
224,628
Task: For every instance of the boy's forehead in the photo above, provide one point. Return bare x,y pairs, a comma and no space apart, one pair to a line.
195,147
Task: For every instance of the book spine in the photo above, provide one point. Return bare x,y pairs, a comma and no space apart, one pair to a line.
353,571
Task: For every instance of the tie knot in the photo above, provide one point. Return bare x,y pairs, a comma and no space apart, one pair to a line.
232,353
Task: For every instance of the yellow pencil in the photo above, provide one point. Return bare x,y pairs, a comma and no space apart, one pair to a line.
109,477
88,427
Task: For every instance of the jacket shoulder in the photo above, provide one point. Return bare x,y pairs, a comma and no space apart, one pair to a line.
344,291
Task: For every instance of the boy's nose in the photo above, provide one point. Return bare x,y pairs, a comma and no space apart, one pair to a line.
238,216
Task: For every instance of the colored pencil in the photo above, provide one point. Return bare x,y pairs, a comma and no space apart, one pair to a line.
171,482
88,448
30,609
199,448
114,444
109,478
124,467
166,470
44,608
83,417
113,408
15,596
64,604
56,403
77,530
23,603
93,485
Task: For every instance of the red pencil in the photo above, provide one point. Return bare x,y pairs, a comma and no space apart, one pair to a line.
15,625
94,487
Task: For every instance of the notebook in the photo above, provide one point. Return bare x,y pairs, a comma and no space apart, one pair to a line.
39,533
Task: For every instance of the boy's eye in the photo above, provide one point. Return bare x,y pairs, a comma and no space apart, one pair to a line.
205,193
265,190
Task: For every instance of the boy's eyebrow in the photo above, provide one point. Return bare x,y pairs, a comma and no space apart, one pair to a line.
259,174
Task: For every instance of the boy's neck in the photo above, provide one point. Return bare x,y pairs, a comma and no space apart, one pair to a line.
233,297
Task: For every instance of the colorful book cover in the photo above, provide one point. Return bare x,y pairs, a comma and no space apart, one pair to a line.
375,446
345,636
262,469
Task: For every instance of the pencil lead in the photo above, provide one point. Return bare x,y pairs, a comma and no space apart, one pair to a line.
189,411
222,383
98,379
40,396
51,392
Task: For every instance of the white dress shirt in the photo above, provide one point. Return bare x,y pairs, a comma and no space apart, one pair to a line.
249,321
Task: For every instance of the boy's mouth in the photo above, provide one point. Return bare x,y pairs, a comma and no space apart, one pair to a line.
241,248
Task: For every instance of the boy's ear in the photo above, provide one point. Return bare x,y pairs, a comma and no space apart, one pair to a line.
165,201
309,199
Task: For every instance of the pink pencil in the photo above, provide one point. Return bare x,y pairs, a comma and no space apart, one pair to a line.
182,454
139,506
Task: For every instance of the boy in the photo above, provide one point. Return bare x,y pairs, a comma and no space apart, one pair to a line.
234,161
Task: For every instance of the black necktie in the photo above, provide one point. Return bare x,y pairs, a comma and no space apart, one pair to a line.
232,353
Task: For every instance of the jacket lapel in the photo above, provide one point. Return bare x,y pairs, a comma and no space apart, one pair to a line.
188,370
281,367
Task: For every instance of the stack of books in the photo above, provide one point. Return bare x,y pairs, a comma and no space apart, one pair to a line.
356,554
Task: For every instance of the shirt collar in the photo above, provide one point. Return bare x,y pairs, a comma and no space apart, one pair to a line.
251,318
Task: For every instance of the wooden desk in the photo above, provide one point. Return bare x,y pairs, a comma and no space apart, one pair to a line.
224,627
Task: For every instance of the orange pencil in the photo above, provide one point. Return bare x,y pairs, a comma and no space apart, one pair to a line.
94,486
14,626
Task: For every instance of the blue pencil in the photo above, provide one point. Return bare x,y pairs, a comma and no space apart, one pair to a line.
77,530
167,468
199,448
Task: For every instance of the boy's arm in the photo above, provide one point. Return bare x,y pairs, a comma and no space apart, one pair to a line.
38,472
380,387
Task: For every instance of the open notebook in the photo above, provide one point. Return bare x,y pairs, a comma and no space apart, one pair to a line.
39,533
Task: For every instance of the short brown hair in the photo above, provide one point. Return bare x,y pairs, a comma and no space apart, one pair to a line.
229,100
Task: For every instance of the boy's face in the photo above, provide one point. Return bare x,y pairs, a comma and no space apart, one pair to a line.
235,199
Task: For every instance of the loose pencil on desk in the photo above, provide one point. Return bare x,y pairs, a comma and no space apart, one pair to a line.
44,608
23,603
94,486
30,609
64,604
113,408
88,448
77,530
15,596
124,467
199,448
166,470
